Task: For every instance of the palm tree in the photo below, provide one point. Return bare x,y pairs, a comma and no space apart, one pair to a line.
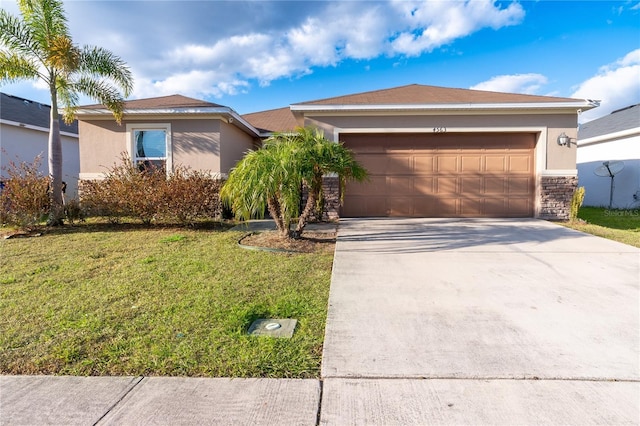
322,157
271,178
39,47
267,179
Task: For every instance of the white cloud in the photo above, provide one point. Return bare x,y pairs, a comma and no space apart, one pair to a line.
338,31
518,83
616,85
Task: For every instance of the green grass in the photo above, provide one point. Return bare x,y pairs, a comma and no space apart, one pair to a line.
126,300
617,225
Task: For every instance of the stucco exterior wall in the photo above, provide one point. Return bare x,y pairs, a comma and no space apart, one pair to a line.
235,143
20,144
627,182
195,143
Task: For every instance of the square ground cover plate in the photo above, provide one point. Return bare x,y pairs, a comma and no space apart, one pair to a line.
273,327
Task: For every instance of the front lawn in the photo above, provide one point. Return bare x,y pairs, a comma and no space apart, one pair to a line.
618,225
127,300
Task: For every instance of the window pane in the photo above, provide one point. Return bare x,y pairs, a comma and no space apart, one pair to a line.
151,166
150,143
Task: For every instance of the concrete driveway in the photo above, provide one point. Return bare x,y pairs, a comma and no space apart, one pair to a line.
521,321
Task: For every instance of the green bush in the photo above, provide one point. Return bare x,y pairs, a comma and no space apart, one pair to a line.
24,198
185,197
576,203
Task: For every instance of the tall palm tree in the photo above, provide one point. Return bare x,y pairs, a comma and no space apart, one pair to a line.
39,47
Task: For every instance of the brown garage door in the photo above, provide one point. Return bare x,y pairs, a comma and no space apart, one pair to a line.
442,175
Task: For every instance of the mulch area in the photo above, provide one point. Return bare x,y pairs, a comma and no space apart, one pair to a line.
309,242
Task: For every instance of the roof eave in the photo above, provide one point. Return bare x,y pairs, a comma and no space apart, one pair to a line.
582,105
229,114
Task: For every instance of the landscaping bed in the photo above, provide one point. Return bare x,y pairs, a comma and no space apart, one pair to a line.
100,299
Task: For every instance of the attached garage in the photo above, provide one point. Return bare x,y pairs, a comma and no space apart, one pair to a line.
443,175
446,152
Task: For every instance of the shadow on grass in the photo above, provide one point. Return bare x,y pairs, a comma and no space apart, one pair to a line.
93,225
626,219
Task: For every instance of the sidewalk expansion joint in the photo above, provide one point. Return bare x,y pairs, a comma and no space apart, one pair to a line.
134,383
319,414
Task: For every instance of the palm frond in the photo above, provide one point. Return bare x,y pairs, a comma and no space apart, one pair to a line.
46,19
14,67
101,63
102,91
18,37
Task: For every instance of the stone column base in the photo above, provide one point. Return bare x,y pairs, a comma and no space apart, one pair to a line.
556,193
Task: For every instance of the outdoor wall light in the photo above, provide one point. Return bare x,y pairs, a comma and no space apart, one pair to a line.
563,139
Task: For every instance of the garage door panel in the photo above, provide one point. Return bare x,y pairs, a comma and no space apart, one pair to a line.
446,163
471,164
494,185
446,175
399,185
495,164
471,207
446,185
519,207
519,164
495,206
423,185
373,162
399,164
423,164
400,206
520,185
471,185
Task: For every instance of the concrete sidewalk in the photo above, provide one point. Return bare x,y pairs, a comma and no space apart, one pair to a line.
431,321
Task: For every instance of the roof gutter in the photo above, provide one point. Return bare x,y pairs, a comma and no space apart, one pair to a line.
577,105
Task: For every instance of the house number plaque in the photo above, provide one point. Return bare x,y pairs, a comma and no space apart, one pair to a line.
439,130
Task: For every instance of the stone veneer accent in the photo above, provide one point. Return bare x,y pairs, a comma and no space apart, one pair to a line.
331,189
556,193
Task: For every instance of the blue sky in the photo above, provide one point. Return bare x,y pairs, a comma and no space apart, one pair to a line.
260,55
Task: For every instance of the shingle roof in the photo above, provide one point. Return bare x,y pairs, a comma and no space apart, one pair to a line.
275,120
282,119
172,101
416,94
622,119
20,110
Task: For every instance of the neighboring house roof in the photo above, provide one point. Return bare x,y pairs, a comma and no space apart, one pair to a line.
413,97
618,121
20,111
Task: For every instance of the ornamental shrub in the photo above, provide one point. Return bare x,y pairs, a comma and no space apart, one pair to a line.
576,203
185,197
24,194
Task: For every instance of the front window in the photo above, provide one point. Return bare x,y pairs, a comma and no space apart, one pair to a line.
151,147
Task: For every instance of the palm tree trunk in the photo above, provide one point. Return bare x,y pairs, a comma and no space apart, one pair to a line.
56,213
309,208
276,214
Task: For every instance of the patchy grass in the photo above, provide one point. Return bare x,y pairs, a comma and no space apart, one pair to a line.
617,225
128,300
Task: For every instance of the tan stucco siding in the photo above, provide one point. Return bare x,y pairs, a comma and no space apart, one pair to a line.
196,144
548,127
101,145
235,143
